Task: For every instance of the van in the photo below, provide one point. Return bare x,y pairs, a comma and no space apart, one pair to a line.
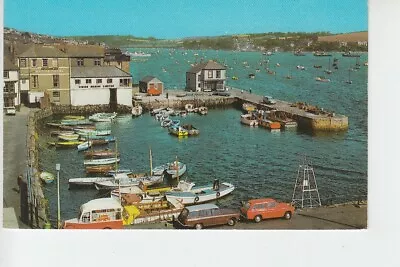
265,208
268,100
204,215
10,111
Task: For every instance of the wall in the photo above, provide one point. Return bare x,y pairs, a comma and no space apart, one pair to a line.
87,61
88,109
205,77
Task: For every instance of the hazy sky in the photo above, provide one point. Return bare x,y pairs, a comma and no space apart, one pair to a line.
179,18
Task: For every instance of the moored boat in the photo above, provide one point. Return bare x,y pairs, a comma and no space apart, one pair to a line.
98,154
202,110
103,161
61,132
65,144
137,110
176,169
248,107
46,177
75,122
84,146
102,169
322,79
248,119
87,132
191,129
72,117
68,137
103,117
189,108
272,125
178,131
122,180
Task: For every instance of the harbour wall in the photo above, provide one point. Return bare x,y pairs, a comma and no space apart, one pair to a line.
180,104
88,109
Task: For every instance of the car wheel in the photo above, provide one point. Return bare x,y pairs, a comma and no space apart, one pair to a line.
199,226
231,221
288,215
107,228
257,219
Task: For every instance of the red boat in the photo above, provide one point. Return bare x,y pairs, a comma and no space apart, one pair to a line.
100,168
101,154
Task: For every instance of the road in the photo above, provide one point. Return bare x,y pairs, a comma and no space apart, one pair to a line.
14,158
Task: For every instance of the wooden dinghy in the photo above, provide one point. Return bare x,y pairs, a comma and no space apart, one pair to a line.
98,154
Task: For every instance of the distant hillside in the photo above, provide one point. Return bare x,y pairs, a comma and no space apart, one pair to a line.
347,37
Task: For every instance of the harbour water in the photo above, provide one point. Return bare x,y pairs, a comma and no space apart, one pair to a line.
258,162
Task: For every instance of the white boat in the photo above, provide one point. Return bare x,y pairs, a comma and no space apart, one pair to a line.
84,146
166,123
103,117
137,111
299,67
156,111
202,110
176,169
88,132
122,180
85,181
189,108
138,54
248,120
106,161
201,194
322,79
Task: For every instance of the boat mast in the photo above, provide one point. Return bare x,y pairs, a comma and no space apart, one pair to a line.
151,162
116,170
177,168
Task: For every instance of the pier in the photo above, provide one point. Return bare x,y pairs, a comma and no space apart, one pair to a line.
308,117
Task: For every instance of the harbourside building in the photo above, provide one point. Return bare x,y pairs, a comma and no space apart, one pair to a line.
99,85
11,94
84,55
115,57
208,76
151,85
44,72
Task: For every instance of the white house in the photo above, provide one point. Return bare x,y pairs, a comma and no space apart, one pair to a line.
97,85
208,76
11,94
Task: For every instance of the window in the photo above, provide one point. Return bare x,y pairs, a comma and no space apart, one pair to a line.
23,81
56,80
199,76
218,74
6,74
99,80
271,205
56,94
34,62
109,80
199,85
45,62
77,81
22,62
124,82
80,62
88,81
97,62
35,81
210,74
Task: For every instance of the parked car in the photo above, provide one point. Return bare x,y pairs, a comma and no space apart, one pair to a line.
200,216
221,93
266,208
10,110
268,100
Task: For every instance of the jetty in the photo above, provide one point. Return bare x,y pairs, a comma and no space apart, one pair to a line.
308,117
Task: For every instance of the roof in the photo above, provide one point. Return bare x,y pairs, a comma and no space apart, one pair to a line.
201,207
43,51
9,65
147,79
83,50
261,200
98,71
101,203
210,65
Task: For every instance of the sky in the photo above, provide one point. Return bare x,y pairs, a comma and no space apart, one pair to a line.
184,18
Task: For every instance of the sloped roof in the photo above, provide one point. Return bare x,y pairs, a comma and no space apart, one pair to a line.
83,50
210,65
98,72
9,65
43,51
147,79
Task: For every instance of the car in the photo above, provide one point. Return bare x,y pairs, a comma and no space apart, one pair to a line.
268,100
204,215
265,208
222,93
10,111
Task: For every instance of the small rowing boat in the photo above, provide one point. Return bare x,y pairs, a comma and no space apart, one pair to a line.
101,154
105,161
68,137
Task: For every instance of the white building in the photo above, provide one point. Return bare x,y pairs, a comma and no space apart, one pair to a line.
98,85
207,77
11,94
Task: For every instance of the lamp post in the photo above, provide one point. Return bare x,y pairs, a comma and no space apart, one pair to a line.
58,166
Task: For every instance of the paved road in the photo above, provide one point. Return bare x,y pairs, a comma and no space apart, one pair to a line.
14,157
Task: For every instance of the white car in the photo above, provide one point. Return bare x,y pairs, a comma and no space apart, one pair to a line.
10,110
268,100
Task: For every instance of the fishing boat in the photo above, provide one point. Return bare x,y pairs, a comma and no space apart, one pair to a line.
84,132
103,117
248,107
350,54
328,71
122,180
102,139
349,81
87,181
155,111
178,131
252,75
176,169
235,78
104,169
191,129
317,66
76,127
75,122
271,125
322,79
98,154
71,117
46,177
52,133
103,161
248,120
300,67
84,146
138,54
137,111
321,54
65,144
202,110
68,137
201,194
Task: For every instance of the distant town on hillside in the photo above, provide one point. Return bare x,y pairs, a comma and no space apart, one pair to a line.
277,41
